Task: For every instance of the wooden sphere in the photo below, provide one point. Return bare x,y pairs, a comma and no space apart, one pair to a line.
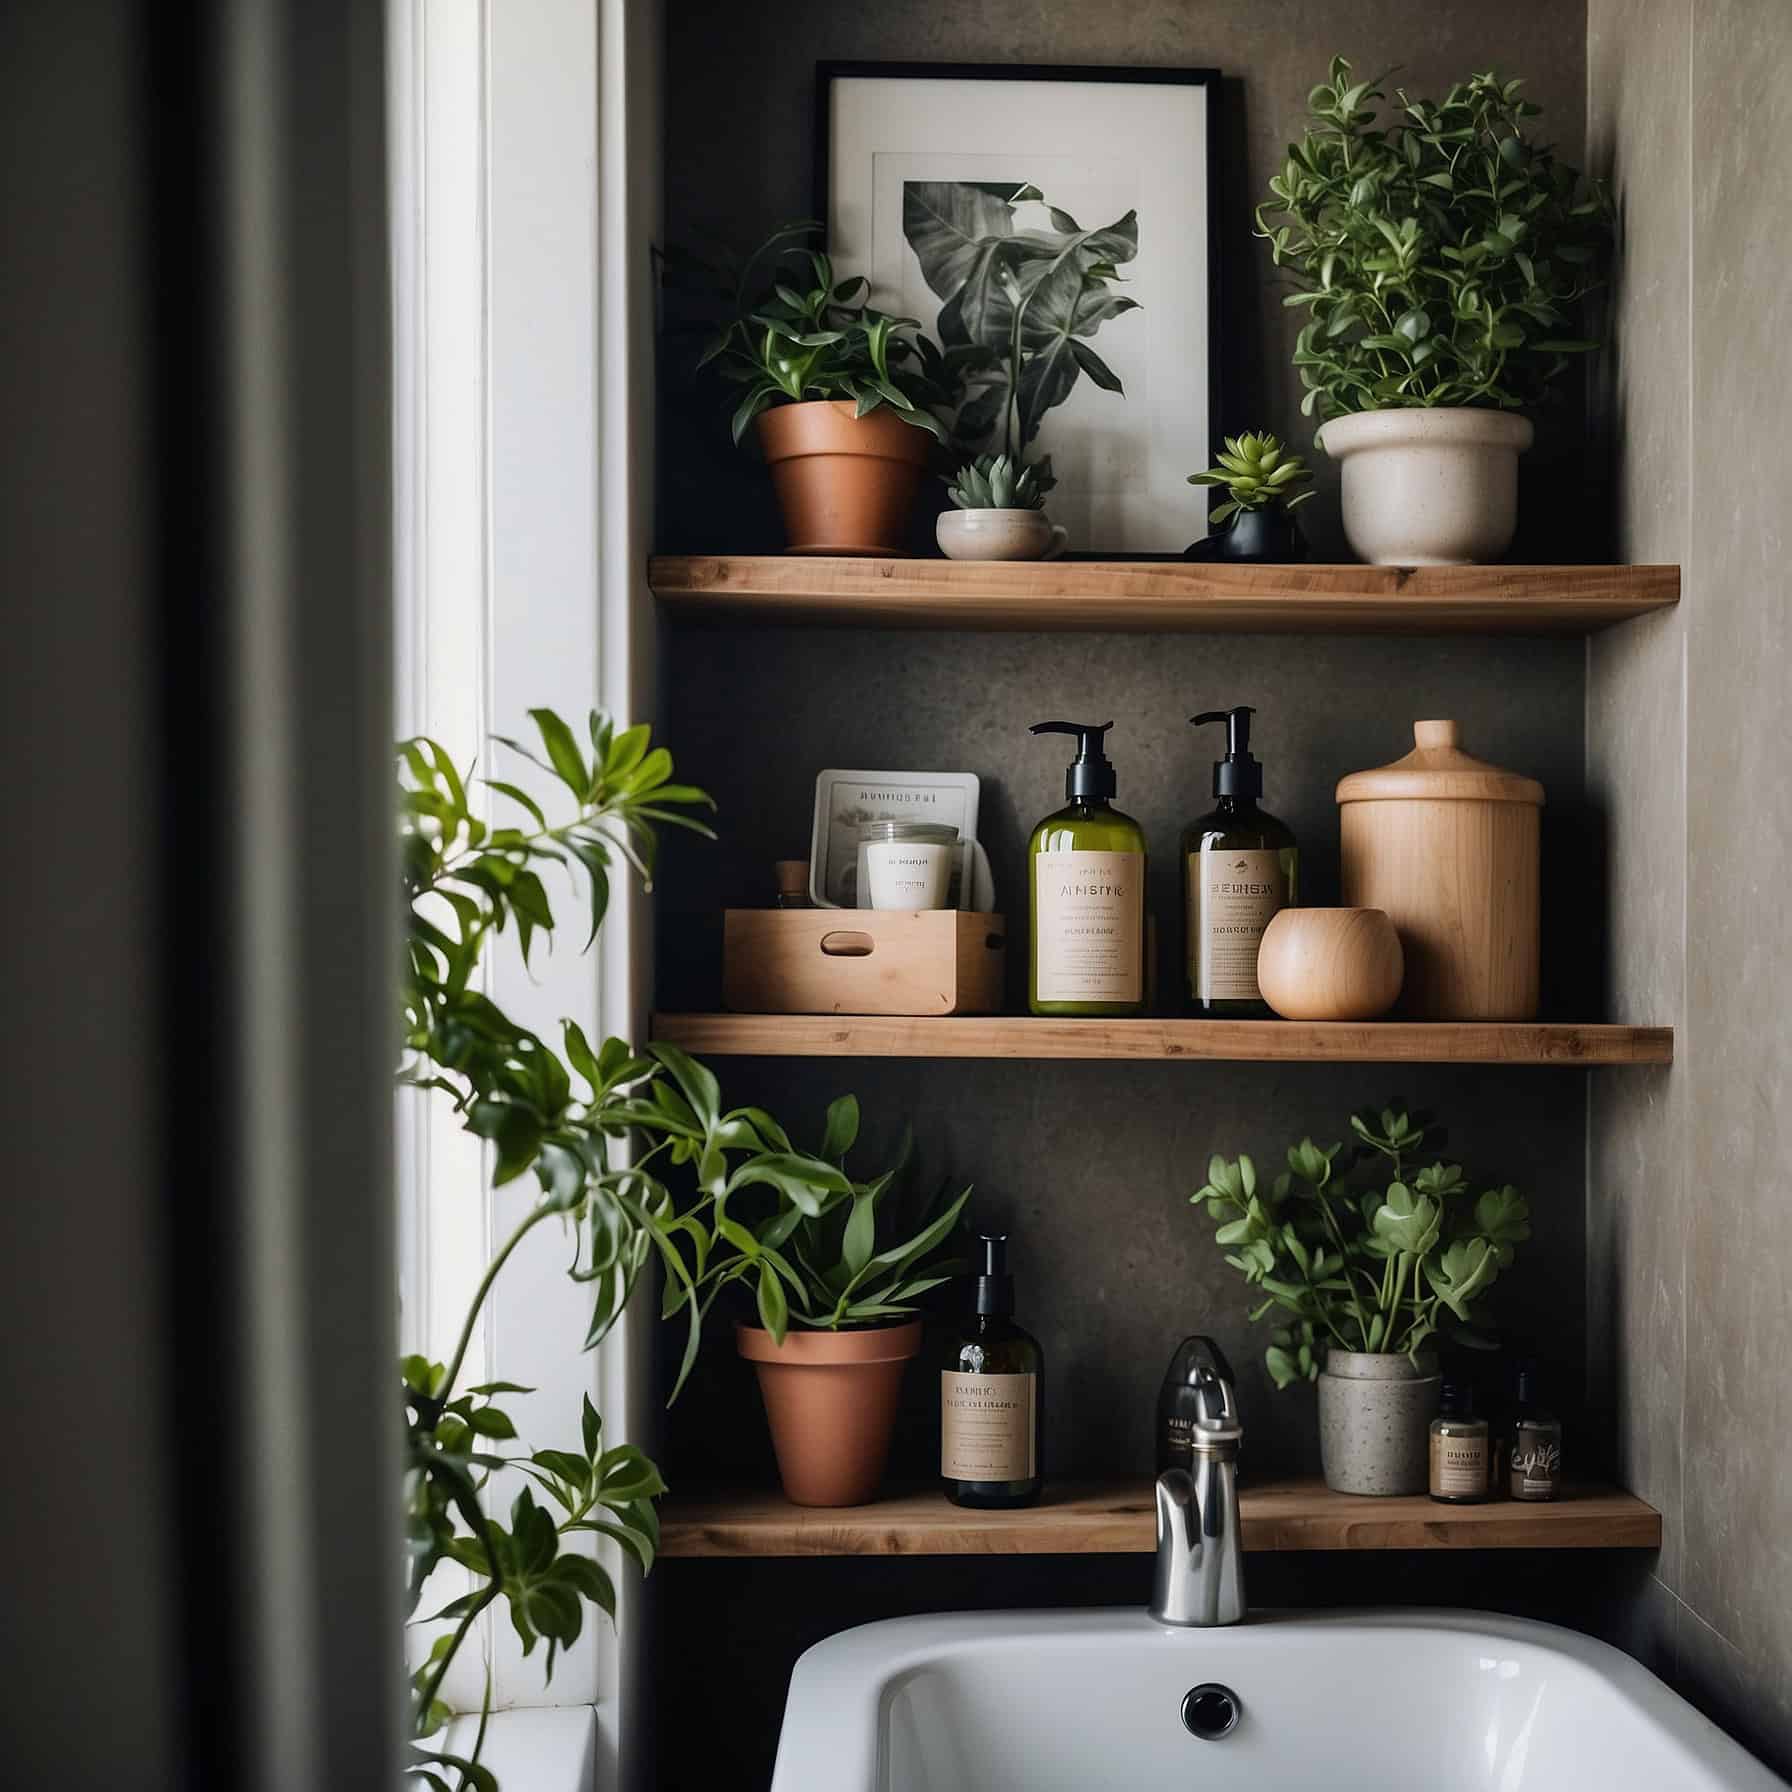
1330,964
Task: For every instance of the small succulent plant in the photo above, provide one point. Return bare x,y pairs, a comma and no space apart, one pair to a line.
1257,471
995,482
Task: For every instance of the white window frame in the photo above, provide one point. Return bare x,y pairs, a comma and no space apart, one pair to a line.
525,171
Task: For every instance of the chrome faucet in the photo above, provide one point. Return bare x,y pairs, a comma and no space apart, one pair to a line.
1200,1547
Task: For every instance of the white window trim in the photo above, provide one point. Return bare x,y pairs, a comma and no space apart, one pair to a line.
525,194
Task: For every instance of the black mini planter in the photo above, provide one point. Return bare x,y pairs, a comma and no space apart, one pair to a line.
1270,536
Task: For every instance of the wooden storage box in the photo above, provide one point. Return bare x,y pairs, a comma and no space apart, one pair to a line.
862,961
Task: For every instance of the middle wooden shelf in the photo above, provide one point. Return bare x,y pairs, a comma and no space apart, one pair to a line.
1557,1043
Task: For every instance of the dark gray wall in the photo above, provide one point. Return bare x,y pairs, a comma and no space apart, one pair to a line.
739,150
1689,1317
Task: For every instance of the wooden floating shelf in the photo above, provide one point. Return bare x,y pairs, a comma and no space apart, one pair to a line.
1225,1041
1148,595
1117,1519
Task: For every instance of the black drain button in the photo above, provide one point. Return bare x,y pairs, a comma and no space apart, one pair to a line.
1211,1711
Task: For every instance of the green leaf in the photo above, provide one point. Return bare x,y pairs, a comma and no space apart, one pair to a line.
563,752
861,1233
774,1309
842,1128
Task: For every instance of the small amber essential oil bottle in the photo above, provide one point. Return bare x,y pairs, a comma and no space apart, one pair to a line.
1459,1450
1534,1457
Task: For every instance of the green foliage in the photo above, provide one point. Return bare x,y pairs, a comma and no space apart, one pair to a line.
599,1129
1442,256
994,482
1373,1268
1019,304
1258,473
802,334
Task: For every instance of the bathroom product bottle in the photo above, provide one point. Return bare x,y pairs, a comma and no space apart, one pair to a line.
793,883
992,1396
1197,1389
1240,869
1534,1453
1086,867
1459,1450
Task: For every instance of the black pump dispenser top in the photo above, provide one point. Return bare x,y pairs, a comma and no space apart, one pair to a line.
1091,773
1238,774
995,1286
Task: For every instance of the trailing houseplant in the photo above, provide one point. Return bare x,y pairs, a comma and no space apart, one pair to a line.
842,395
1362,1263
600,1131
1264,484
1441,256
999,511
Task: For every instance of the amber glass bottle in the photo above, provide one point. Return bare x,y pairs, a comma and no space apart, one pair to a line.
992,1396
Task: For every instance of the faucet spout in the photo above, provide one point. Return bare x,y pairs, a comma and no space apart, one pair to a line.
1199,1578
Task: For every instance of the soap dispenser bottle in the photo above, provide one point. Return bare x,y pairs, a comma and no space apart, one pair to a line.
992,1396
1239,869
1086,868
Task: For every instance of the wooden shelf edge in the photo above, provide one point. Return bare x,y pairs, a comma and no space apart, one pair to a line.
1172,595
1247,1041
1117,1519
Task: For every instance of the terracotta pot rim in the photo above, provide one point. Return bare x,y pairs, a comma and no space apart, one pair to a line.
799,431
805,1349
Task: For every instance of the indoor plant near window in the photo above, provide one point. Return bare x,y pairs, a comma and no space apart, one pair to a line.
999,512
1360,1279
840,394
1442,258
836,1306
1264,485
600,1130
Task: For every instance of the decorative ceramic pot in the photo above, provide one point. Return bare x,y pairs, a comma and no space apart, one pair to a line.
999,535
1330,964
1428,487
1267,537
846,484
830,1399
1375,1416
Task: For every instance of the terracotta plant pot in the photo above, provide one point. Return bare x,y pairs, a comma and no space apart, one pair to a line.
1375,1416
830,1398
1428,487
846,484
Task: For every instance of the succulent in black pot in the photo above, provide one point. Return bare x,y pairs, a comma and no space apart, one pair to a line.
1264,483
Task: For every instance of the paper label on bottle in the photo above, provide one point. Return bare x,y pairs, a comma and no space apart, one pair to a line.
1458,1465
1233,894
1089,926
986,1427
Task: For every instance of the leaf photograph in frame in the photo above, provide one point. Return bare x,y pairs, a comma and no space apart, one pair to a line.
1053,230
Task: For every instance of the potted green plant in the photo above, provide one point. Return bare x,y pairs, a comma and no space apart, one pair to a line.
840,395
1360,1277
1264,486
999,512
835,1296
1441,257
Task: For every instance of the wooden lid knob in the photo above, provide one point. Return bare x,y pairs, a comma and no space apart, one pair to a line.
1436,734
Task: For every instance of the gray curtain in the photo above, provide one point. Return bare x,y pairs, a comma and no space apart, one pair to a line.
200,1492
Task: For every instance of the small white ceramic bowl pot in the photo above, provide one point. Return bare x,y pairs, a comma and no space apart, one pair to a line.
999,535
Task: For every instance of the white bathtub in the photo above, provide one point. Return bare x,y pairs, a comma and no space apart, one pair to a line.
1347,1702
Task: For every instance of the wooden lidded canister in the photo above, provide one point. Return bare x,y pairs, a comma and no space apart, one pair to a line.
1448,846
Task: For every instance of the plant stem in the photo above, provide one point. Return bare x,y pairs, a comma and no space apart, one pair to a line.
532,1218
427,1697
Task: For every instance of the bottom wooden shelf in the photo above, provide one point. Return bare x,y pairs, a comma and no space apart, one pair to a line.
1115,1518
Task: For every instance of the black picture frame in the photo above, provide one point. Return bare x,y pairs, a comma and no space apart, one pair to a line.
827,72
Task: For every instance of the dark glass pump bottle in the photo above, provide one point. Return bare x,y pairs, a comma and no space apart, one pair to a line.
1239,867
992,1396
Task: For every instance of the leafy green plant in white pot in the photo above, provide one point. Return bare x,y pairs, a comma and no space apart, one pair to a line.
1361,1279
1442,258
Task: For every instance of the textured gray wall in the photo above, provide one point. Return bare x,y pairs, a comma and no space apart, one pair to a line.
740,113
1688,1312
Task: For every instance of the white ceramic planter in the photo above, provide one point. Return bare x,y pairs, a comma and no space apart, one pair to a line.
1375,1416
1428,488
999,535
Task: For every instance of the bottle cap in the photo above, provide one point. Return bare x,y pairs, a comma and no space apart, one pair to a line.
1455,1401
1238,774
1091,773
995,1286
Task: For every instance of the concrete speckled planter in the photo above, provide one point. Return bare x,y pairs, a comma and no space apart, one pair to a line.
1375,1416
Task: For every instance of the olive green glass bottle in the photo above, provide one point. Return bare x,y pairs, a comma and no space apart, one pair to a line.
1240,867
992,1396
1086,872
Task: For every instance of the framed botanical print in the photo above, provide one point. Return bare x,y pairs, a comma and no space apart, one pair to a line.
1054,230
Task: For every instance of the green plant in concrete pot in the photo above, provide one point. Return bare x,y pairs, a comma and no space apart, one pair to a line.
840,395
836,1272
1361,1263
1265,484
1442,257
999,511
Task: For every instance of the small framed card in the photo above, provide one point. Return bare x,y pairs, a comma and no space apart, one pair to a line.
846,800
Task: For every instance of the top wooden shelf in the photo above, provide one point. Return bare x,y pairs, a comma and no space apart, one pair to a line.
1162,595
